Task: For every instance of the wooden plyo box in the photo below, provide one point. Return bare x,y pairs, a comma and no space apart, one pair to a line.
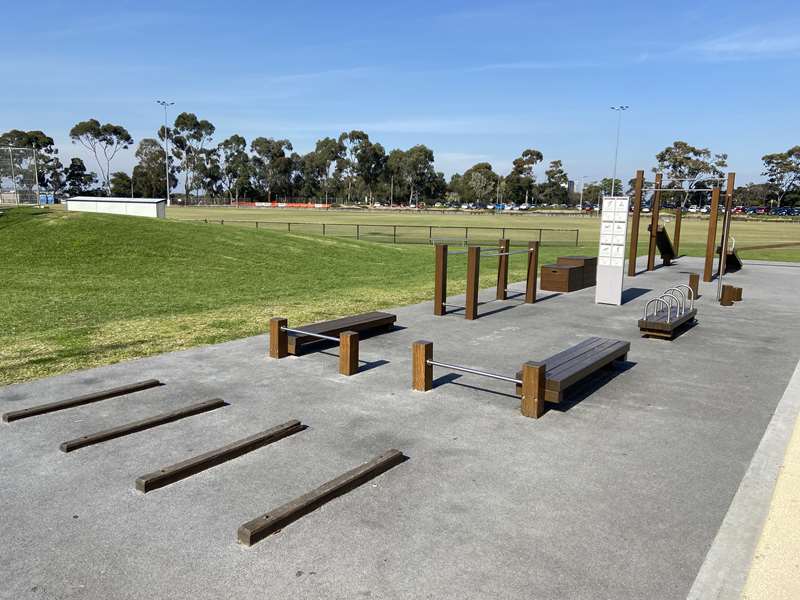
589,264
561,278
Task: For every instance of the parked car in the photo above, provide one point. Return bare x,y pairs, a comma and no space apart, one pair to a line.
737,210
694,208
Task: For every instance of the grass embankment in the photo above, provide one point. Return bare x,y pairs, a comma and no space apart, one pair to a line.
81,290
693,230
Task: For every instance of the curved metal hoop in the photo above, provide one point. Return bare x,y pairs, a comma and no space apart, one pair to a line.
659,299
682,303
690,294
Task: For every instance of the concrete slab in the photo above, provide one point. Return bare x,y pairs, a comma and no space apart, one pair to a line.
617,493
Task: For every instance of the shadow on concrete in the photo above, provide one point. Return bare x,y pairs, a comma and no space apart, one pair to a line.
632,293
588,386
364,365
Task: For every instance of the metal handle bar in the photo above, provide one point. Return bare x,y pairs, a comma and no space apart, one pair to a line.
682,303
312,334
646,306
435,363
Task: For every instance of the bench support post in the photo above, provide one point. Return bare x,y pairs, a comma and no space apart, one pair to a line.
651,251
348,353
502,270
421,371
278,338
533,380
676,238
694,284
533,268
473,282
440,281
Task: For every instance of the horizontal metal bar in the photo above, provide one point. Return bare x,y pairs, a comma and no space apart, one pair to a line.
453,305
436,363
509,253
677,190
312,334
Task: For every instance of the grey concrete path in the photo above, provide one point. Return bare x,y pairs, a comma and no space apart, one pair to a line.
617,493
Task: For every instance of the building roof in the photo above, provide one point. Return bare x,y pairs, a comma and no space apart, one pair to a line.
106,199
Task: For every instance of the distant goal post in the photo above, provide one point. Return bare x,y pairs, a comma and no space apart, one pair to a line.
19,176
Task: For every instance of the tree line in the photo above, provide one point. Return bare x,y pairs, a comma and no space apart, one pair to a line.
351,168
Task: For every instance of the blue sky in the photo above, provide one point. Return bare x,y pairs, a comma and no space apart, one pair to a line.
473,81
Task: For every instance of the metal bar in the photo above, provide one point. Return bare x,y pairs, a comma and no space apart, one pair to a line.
435,363
678,190
508,253
316,335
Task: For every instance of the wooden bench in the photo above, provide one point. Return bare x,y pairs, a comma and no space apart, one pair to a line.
578,362
664,244
656,324
372,322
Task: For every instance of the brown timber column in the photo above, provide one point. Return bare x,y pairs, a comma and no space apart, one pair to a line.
473,282
533,268
651,251
502,270
533,379
348,353
278,338
421,371
676,239
440,281
694,284
726,298
726,223
637,210
711,239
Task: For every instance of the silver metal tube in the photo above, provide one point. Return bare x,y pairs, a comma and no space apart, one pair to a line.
677,305
436,363
682,299
508,253
689,295
312,334
646,306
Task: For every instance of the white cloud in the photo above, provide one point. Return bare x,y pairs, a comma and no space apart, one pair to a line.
748,45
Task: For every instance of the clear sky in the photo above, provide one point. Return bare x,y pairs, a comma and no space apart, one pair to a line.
475,81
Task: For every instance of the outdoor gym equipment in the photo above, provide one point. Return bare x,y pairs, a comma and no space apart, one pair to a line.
665,315
658,189
347,340
536,382
474,256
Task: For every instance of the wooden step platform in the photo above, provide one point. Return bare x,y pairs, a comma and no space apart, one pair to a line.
656,324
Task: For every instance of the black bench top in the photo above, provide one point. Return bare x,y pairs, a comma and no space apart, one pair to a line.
361,323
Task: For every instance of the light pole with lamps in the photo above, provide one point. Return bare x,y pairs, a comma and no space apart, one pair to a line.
619,109
166,105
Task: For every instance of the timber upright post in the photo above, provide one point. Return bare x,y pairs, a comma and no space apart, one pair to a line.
637,210
440,282
502,270
473,282
533,380
711,239
694,284
348,353
421,371
651,251
278,339
533,267
726,222
676,238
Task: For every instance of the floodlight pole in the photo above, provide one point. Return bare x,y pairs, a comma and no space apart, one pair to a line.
619,110
13,176
165,104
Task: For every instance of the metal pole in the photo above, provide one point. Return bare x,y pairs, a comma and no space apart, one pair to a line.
619,110
13,177
165,104
36,175
436,363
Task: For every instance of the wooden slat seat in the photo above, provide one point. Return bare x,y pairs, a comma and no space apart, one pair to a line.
578,362
372,322
656,324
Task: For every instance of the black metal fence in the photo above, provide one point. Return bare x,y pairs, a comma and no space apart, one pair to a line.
415,234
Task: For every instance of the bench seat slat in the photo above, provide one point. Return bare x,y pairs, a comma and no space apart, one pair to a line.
360,323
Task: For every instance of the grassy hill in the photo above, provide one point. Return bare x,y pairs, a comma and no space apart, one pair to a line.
81,290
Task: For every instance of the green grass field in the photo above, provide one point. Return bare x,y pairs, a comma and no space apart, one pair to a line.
82,290
693,229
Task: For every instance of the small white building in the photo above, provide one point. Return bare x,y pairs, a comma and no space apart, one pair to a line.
137,207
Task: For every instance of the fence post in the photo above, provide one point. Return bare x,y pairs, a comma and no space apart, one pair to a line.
288,227
256,225
358,232
421,371
577,237
533,380
394,234
323,229
348,353
473,282
466,235
278,338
